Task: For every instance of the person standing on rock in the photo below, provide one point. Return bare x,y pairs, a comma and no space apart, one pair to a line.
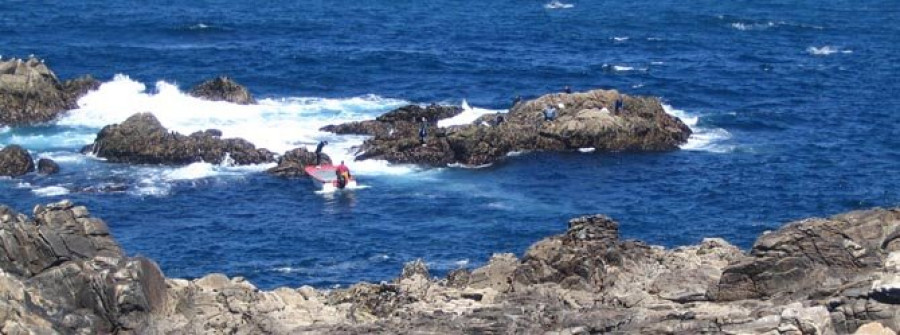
423,131
619,104
319,152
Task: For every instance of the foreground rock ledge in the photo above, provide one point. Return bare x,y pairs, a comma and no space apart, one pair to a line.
583,122
61,272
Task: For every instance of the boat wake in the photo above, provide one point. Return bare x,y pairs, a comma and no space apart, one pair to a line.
555,4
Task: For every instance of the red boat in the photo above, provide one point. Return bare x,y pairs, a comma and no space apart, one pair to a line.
326,178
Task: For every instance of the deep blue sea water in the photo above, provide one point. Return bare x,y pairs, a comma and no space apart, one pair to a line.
794,105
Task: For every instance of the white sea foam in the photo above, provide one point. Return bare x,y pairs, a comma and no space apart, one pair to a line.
827,50
468,166
64,156
193,171
275,124
702,138
68,138
50,191
468,115
620,39
556,4
622,68
587,150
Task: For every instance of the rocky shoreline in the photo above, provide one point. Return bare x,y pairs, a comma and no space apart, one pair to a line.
62,272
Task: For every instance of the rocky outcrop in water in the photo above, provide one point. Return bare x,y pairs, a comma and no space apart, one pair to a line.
30,92
586,120
223,89
15,161
141,139
62,271
46,166
292,163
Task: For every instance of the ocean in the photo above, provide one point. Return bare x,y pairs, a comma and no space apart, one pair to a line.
794,107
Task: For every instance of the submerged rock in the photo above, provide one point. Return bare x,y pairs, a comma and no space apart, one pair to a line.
141,139
30,92
15,161
47,166
584,120
223,89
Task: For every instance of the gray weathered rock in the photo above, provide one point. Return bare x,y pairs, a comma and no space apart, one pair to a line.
813,257
72,275
61,272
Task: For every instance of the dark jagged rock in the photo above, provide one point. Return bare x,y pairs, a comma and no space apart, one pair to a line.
30,92
47,166
71,276
403,121
584,121
223,89
15,161
141,139
292,163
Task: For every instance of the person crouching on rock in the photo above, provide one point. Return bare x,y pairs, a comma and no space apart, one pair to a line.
423,131
319,152
343,175
549,113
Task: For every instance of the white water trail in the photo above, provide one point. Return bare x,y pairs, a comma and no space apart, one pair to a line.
556,4
827,50
702,138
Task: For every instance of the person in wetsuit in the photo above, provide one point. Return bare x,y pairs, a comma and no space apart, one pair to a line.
423,131
319,152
